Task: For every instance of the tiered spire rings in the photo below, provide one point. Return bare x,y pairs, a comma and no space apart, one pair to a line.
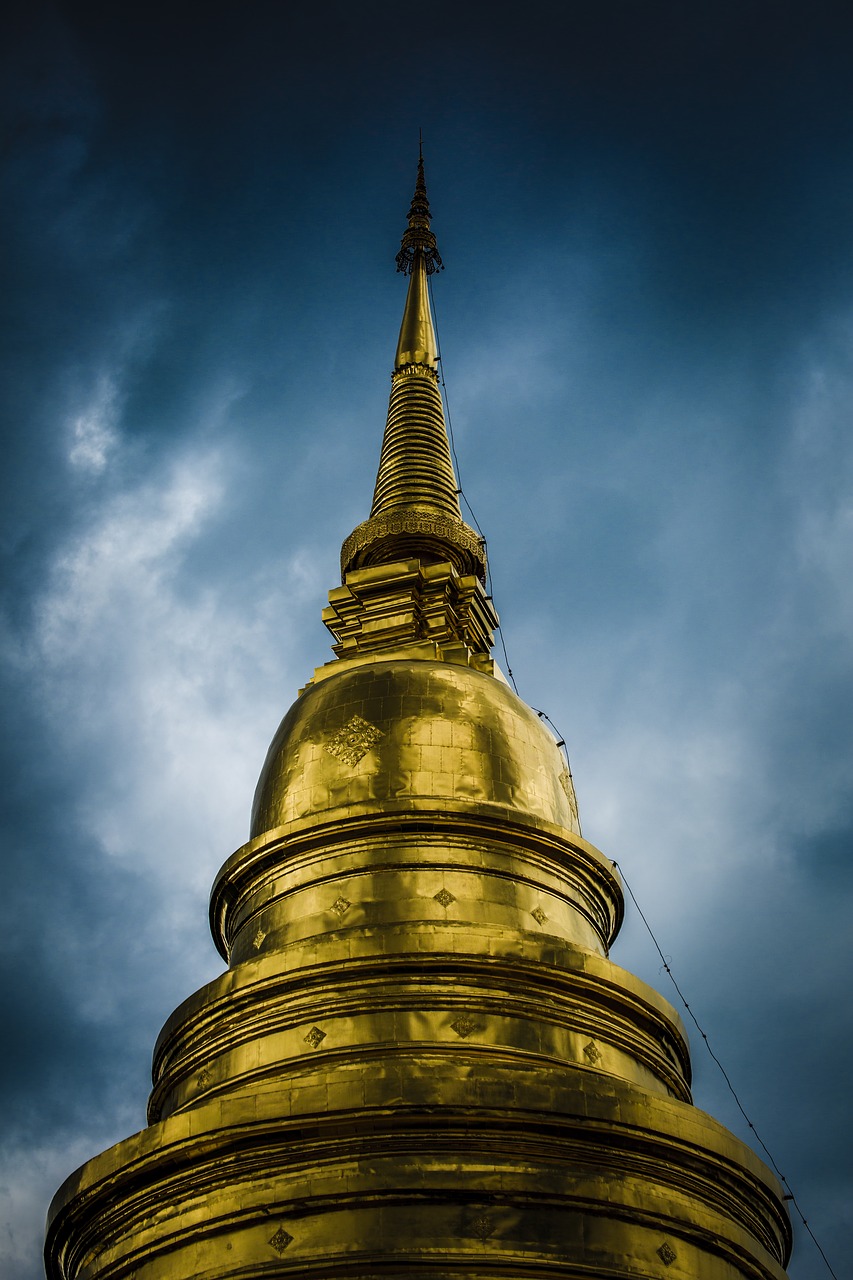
415,511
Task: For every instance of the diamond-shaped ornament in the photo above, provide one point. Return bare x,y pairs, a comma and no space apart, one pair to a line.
341,907
667,1254
464,1026
539,915
281,1240
591,1052
481,1227
354,740
444,897
315,1037
258,939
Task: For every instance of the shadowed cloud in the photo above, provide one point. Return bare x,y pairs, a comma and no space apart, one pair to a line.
646,329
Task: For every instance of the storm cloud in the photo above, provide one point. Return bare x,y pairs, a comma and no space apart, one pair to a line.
647,332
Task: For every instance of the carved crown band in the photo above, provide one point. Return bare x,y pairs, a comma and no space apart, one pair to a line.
441,534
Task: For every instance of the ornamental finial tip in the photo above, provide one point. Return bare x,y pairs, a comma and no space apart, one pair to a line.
418,240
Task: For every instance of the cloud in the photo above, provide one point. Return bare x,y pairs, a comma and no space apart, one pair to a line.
25,1169
646,326
149,680
92,433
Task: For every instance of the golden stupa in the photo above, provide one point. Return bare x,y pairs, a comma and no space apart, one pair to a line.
420,1061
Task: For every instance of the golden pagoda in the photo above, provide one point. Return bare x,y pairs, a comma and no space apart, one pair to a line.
420,1061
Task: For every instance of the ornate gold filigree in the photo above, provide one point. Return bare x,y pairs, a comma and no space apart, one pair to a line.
353,741
281,1240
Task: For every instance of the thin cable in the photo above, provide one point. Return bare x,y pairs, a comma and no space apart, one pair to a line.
460,491
561,742
790,1196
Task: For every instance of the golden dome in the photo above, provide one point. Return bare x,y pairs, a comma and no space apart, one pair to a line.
411,734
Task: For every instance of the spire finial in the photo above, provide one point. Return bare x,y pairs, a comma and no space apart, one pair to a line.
415,510
418,241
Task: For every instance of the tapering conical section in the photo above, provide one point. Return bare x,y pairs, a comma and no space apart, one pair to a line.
414,466
415,511
417,343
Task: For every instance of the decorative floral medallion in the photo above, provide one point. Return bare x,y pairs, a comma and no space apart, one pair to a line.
591,1052
281,1240
482,1227
667,1254
354,740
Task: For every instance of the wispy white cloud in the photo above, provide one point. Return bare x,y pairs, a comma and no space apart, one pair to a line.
92,433
159,687
818,476
26,1168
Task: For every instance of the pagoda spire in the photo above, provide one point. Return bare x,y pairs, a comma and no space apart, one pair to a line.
415,510
421,1061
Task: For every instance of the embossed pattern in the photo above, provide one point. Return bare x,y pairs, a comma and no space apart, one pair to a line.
315,1037
482,1227
464,1026
354,740
444,897
449,733
667,1254
281,1240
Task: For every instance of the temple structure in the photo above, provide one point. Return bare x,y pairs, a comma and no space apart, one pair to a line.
420,1061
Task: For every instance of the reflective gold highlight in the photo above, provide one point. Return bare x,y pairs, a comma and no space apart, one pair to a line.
420,1061
415,511
417,343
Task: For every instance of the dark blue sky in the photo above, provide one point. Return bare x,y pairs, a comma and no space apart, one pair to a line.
646,215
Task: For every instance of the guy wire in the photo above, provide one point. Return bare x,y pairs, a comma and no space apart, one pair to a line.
790,1197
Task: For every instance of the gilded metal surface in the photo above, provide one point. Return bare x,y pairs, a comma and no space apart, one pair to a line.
443,731
421,1061
414,465
408,1172
417,345
415,511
